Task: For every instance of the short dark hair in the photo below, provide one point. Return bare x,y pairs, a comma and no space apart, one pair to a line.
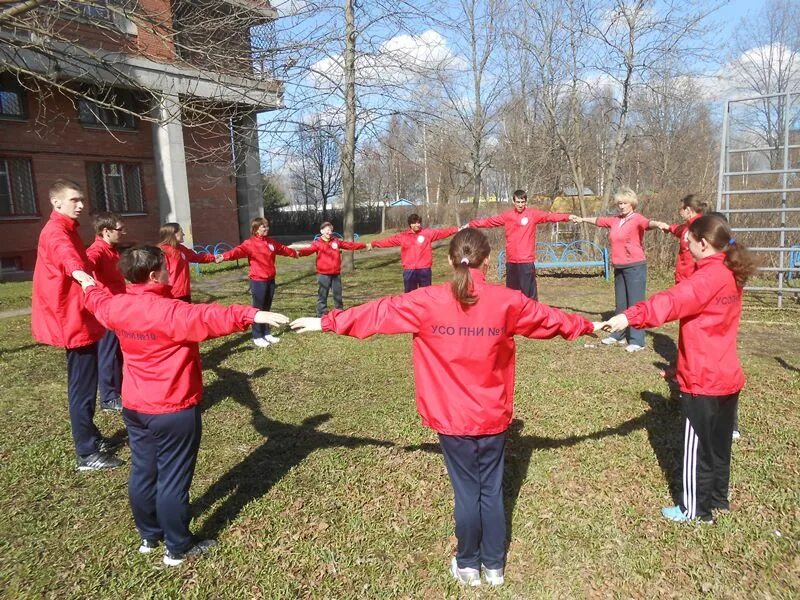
105,220
414,218
59,185
326,224
138,262
520,194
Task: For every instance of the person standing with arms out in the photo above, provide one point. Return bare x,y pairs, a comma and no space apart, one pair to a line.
59,318
416,251
178,258
329,265
626,237
260,251
708,305
104,255
464,354
520,224
691,209
162,391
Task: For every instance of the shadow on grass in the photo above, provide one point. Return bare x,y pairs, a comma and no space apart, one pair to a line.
520,449
286,446
786,365
20,349
663,423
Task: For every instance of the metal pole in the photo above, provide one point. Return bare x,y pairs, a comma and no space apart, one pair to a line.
723,157
784,184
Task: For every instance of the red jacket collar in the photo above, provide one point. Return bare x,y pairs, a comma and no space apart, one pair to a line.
64,220
710,260
156,289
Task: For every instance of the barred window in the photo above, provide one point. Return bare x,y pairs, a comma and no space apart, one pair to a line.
98,9
12,98
104,109
16,188
116,187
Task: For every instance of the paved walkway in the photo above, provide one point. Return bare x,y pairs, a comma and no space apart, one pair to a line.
15,312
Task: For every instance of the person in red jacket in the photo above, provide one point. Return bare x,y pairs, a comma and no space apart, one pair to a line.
520,224
709,305
626,237
59,318
463,355
416,251
104,255
161,391
178,258
260,251
329,265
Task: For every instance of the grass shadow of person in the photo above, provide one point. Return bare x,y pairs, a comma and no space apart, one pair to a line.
786,365
286,446
664,433
519,452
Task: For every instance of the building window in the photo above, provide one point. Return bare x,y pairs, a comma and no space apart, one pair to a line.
16,188
10,264
97,10
116,187
108,108
12,98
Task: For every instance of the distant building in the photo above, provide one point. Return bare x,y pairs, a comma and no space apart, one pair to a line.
152,170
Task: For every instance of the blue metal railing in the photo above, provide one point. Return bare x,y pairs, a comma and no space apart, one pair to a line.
565,255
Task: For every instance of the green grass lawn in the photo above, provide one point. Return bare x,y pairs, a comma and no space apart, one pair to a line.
318,480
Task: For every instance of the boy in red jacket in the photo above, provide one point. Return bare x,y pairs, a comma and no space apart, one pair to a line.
709,305
104,255
520,224
329,265
162,390
59,318
463,354
416,251
260,251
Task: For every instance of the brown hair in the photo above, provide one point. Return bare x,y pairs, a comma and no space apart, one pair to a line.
414,218
258,222
716,231
59,185
138,262
693,202
326,224
167,234
105,220
468,249
520,194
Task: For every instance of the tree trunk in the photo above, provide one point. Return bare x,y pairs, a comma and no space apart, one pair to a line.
349,147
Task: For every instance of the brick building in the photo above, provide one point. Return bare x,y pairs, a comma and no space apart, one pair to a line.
136,108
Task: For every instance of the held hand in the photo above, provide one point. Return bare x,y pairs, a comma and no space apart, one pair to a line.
304,324
82,277
87,283
660,225
616,323
218,258
598,325
369,246
575,219
464,226
270,318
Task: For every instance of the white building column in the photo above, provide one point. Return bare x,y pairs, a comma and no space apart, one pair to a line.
170,162
247,162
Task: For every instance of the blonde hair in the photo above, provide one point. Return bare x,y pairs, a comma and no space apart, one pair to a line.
626,194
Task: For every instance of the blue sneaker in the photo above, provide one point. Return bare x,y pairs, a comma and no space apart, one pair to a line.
676,514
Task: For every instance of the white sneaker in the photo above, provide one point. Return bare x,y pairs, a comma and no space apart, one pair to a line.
736,435
471,577
493,576
261,342
633,348
272,339
610,341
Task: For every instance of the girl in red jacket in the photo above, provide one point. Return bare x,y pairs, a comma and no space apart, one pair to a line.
708,304
691,209
463,353
178,258
161,391
260,251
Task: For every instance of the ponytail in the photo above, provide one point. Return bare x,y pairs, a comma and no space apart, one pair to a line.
469,248
716,231
167,234
693,202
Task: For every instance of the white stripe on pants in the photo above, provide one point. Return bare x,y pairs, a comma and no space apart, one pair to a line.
690,443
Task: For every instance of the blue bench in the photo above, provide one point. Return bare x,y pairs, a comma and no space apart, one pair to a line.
579,254
794,262
213,250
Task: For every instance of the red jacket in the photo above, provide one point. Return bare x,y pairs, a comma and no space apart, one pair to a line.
520,230
709,305
178,260
329,255
105,259
463,359
626,237
58,315
416,251
260,252
685,264
159,338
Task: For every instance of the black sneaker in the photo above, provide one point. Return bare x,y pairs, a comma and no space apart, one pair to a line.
147,546
113,405
109,445
98,461
173,560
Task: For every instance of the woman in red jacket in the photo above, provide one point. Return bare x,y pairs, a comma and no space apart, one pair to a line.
690,210
178,258
260,251
161,391
463,353
709,305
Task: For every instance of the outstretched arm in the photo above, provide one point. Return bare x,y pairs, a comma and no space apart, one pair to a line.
539,321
